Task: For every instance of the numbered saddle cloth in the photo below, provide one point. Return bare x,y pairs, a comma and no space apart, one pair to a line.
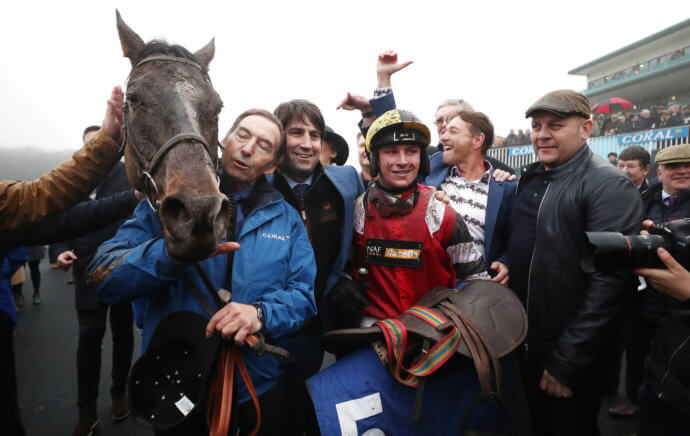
358,396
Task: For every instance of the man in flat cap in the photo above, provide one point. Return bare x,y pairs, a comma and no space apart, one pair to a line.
574,317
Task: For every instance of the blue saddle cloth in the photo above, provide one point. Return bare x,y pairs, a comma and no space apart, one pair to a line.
358,396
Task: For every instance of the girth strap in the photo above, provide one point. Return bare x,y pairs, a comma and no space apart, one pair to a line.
480,350
395,334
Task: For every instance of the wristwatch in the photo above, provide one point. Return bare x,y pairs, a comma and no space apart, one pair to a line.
259,313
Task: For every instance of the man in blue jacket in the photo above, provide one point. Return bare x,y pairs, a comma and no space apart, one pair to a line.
324,196
464,174
272,273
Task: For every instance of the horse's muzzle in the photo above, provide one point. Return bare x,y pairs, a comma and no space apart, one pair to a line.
193,224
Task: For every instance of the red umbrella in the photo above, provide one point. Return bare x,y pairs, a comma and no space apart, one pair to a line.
612,104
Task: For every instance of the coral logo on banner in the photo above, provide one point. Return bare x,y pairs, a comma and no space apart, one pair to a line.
653,135
521,151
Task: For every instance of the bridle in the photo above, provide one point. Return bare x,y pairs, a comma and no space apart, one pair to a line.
148,184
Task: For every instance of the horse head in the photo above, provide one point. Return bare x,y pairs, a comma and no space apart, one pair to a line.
171,136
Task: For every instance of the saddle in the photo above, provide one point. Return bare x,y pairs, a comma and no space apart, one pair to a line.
482,320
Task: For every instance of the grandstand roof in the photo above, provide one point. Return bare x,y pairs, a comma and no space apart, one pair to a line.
668,31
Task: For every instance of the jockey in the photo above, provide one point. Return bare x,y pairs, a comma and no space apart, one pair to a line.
406,239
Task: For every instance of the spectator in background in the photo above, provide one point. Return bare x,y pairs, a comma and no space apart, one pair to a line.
511,139
93,314
634,161
596,128
655,116
663,399
665,120
674,115
10,417
613,158
528,137
609,122
53,253
363,159
646,121
36,253
633,125
685,114
334,149
619,126
664,201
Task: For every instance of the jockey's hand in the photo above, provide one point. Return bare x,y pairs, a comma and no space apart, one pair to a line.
234,320
553,387
66,259
114,120
501,273
501,176
225,248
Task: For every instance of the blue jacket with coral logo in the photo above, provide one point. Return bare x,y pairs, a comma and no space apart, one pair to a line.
274,267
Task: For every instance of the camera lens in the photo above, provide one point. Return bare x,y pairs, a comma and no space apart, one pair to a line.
611,251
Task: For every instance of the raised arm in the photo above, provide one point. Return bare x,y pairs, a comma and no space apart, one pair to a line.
26,203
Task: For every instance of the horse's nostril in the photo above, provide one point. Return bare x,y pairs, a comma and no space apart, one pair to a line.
174,209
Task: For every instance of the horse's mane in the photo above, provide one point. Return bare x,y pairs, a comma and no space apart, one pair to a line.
158,46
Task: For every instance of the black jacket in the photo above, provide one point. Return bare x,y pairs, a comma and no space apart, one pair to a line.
574,317
669,359
85,246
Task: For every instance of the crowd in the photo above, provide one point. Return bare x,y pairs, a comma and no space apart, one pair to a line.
656,117
617,122
309,246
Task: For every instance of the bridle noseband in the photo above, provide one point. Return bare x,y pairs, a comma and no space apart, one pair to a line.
148,184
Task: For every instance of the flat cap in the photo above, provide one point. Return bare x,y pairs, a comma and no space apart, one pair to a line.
563,102
675,154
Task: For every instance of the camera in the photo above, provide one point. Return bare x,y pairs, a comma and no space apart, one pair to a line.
612,251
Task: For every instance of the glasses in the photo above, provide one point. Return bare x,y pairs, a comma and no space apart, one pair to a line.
389,204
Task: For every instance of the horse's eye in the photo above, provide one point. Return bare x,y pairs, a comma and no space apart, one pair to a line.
132,100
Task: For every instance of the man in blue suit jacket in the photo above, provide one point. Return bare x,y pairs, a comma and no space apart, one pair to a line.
324,196
464,174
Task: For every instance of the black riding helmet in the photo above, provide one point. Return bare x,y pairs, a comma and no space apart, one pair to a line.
397,127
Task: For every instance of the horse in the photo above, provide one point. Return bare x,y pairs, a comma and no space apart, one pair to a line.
170,141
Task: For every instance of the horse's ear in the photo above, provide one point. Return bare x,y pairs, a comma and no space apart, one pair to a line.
131,42
205,54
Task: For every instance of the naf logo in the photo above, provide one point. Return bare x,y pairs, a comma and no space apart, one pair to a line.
275,236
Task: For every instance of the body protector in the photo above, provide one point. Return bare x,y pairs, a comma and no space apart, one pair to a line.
397,127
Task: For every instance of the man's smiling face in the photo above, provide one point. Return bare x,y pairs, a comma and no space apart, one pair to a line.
556,139
302,151
398,165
